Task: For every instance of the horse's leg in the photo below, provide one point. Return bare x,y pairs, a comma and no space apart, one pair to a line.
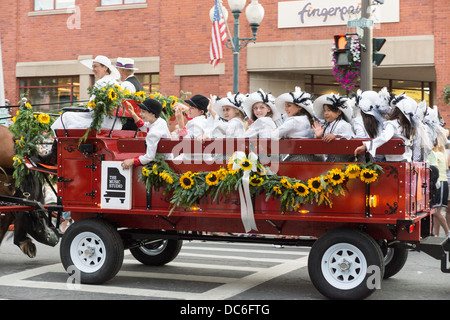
20,235
5,221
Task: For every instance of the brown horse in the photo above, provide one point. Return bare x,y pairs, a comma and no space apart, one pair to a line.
32,186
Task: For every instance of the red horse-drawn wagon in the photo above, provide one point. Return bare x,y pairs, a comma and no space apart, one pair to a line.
360,221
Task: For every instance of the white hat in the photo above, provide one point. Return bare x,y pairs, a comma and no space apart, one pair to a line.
407,105
232,100
342,103
299,98
104,61
370,102
125,63
261,96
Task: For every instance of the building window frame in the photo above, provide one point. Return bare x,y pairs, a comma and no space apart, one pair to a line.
51,106
103,3
54,6
151,83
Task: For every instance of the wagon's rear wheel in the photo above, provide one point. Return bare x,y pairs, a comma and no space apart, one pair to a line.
94,248
158,252
345,264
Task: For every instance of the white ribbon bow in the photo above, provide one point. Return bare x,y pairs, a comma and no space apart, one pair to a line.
247,215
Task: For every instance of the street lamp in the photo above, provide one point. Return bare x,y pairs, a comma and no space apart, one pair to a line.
255,14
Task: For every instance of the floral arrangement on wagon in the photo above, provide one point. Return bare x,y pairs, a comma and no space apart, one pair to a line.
31,130
189,187
108,102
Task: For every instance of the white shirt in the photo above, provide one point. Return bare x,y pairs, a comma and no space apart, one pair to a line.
234,128
296,127
83,120
262,128
340,128
155,131
127,85
391,129
196,127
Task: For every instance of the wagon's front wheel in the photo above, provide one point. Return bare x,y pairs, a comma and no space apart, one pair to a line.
346,264
94,248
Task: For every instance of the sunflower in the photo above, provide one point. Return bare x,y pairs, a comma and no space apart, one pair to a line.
212,178
300,189
336,176
155,169
145,171
315,185
91,104
44,118
186,180
285,183
222,173
352,171
112,95
167,178
256,180
368,175
277,190
245,164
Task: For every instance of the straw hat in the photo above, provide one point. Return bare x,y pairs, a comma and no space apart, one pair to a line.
233,100
298,97
261,96
125,63
104,61
342,103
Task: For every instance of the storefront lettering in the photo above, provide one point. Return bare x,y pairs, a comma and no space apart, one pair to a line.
325,13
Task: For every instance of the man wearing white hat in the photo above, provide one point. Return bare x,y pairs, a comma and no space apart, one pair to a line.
129,81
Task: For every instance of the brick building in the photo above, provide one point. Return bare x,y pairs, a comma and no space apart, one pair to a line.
42,42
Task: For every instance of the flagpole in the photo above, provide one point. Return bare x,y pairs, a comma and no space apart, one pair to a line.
226,23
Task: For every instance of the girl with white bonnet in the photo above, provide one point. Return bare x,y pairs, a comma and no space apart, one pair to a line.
369,123
399,125
106,74
262,113
298,107
337,113
231,120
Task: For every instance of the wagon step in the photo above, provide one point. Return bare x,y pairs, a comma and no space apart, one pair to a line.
438,248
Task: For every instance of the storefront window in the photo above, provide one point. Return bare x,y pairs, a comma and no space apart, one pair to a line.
116,2
53,4
319,85
150,82
51,94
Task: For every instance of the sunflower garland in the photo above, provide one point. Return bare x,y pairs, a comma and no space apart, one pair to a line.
189,187
31,129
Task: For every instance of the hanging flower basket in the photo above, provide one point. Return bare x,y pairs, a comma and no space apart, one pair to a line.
348,76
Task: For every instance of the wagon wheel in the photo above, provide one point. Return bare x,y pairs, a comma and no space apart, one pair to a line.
345,264
94,248
394,259
158,252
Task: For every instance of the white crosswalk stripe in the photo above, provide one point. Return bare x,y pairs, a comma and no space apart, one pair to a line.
210,271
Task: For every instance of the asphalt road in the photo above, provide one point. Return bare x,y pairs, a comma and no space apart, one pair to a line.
206,271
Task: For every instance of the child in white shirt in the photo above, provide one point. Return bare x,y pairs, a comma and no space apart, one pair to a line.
155,127
298,107
231,110
337,113
260,108
399,125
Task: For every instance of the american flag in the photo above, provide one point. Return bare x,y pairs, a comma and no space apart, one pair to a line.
218,36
